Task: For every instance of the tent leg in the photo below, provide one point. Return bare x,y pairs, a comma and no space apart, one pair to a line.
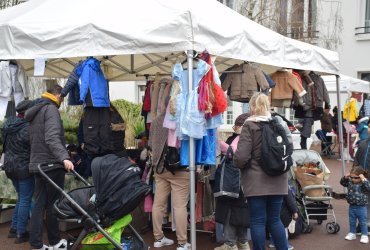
340,128
191,163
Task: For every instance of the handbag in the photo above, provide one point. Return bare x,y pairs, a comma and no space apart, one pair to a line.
227,177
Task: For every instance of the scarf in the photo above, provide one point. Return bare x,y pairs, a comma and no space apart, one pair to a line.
51,97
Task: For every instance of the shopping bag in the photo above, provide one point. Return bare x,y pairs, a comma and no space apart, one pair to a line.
306,179
227,178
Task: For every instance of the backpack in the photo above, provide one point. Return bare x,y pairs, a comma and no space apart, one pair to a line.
276,154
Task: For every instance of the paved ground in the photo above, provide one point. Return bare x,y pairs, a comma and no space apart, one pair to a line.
317,240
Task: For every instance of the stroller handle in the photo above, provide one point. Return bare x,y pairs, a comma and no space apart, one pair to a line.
317,186
79,208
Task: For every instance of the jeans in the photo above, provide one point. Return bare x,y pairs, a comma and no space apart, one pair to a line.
266,210
233,233
45,197
24,188
357,213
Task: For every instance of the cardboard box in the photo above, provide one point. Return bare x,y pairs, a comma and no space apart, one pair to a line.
6,212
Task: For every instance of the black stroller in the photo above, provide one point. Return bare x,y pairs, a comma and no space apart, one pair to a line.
104,209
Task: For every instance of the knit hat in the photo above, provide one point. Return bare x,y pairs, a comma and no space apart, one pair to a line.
239,121
23,106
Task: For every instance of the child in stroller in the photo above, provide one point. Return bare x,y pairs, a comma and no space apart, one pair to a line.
103,209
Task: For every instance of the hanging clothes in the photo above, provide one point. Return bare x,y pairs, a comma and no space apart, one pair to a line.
72,86
244,85
286,83
93,85
367,107
350,111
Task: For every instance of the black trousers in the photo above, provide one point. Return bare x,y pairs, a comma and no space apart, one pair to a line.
45,196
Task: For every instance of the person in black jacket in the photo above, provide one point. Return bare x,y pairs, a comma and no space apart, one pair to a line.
16,161
48,150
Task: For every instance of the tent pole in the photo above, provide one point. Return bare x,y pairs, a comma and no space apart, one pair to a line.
193,241
340,128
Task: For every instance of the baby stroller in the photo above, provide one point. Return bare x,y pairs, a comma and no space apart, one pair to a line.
327,147
104,209
309,174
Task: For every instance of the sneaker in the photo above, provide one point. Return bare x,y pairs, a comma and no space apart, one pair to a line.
271,245
226,247
350,236
44,247
364,239
12,233
163,242
185,246
62,244
290,247
243,246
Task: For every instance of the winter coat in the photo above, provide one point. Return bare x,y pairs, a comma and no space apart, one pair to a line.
362,128
93,85
46,136
17,148
286,83
118,133
255,182
244,85
320,91
288,208
357,193
326,122
72,87
350,110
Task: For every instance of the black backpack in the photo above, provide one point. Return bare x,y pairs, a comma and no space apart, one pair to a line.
276,150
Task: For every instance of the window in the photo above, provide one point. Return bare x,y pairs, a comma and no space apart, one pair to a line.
229,112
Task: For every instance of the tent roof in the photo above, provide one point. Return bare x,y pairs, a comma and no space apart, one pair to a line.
347,83
146,34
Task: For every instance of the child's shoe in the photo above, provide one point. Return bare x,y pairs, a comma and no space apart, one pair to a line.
290,247
364,239
350,236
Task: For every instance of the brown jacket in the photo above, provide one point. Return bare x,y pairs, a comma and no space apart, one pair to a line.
255,182
244,85
326,122
286,83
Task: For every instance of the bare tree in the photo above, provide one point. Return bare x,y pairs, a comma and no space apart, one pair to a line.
8,3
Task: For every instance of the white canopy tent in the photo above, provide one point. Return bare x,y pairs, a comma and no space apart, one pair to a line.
133,38
347,83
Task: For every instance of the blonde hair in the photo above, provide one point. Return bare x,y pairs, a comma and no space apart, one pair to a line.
259,104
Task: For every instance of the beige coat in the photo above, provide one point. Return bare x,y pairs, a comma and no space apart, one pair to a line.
244,85
255,182
286,83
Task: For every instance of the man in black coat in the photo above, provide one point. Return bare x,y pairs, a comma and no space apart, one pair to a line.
48,149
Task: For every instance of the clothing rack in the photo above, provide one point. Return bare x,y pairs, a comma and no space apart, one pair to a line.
148,75
232,72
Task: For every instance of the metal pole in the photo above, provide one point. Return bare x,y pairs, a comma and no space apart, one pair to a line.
193,239
340,128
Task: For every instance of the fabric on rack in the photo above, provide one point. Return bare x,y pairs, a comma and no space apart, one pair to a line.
199,202
146,101
208,199
93,85
321,92
175,90
157,138
244,85
13,80
18,97
350,111
286,83
164,98
217,120
271,82
72,87
367,107
154,96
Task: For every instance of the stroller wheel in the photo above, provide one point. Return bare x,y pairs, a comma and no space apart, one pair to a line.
331,227
319,222
337,227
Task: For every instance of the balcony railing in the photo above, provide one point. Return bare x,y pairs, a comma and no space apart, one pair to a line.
362,30
302,35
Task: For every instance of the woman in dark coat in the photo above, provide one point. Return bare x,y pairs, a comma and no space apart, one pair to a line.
16,162
264,192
